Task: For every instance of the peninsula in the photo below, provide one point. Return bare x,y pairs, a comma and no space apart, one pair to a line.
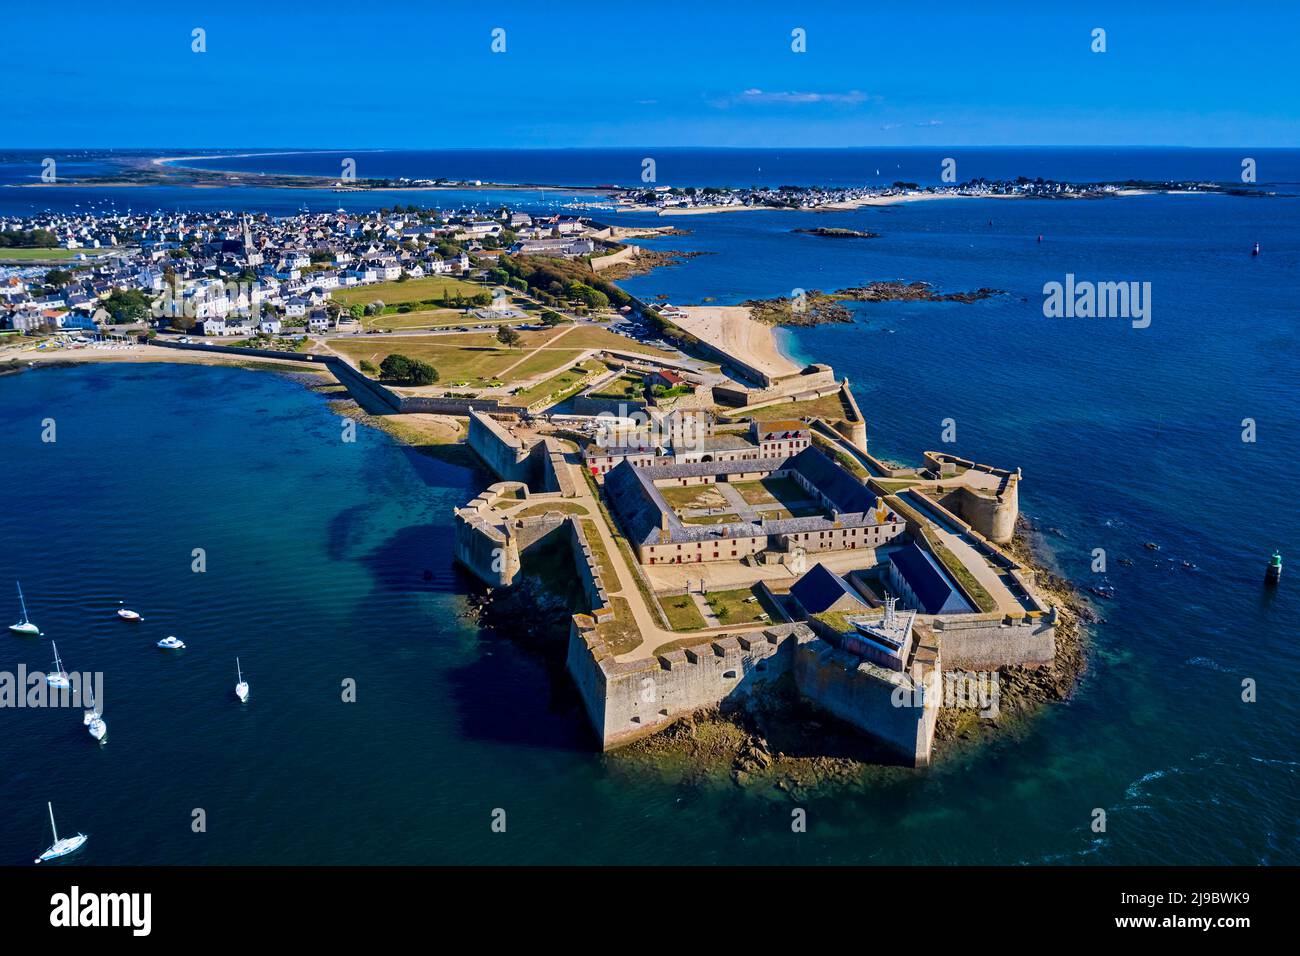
717,504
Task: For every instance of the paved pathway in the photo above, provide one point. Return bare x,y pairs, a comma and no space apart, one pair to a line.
706,612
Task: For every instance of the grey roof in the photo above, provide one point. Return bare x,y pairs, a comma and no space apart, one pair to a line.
934,591
821,588
641,507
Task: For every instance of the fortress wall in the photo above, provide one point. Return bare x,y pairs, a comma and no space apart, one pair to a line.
987,645
855,428
556,474
484,549
587,567
862,695
993,517
628,701
601,263
500,450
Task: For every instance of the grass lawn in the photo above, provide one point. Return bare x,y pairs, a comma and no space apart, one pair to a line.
430,319
620,635
711,519
412,290
682,613
693,496
608,576
558,387
458,358
542,362
892,486
766,491
591,337
830,407
564,507
42,255
741,606
623,387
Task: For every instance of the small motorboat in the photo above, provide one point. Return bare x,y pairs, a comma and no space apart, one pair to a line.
127,614
61,847
57,677
241,689
24,626
170,643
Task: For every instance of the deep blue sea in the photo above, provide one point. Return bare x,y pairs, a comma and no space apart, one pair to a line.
329,560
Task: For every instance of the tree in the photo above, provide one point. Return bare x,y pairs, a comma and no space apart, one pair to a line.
551,318
126,306
58,277
395,368
407,371
507,336
357,311
421,373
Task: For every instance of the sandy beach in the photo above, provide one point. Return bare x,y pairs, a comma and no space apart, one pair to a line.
731,329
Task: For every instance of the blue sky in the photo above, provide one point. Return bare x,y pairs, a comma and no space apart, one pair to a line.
380,74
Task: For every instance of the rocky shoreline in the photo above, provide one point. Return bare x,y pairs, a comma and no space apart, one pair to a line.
646,261
778,741
821,308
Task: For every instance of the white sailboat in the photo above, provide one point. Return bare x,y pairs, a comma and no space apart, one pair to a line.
241,689
25,626
57,677
61,847
94,721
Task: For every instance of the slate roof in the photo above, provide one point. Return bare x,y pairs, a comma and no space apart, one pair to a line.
640,505
821,588
934,591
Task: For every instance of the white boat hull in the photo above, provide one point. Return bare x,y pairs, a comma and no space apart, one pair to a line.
64,847
98,730
26,628
241,691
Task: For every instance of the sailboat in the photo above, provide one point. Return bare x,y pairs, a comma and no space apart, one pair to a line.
94,720
61,847
57,677
25,626
241,689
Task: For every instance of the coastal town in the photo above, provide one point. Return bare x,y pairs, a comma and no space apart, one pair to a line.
728,524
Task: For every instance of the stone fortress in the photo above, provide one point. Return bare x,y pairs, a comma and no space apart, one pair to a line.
803,555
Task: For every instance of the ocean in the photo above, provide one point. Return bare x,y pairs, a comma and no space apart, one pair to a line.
329,561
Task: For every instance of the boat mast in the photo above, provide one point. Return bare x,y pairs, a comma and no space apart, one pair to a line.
22,602
52,826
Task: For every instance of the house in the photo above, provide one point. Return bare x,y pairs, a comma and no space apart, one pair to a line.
822,590
270,325
318,321
921,584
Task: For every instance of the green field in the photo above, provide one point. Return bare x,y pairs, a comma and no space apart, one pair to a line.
42,255
430,319
623,387
682,613
829,407
693,496
559,386
741,606
427,289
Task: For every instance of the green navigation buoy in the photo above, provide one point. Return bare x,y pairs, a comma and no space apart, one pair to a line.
1274,572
